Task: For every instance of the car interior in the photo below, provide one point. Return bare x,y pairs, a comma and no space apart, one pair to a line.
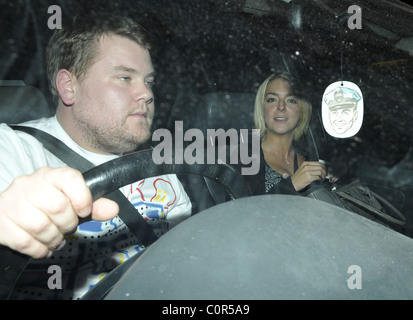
211,57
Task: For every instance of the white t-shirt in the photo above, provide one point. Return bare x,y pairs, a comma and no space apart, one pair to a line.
96,247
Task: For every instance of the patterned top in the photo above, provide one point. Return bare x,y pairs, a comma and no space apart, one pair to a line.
273,178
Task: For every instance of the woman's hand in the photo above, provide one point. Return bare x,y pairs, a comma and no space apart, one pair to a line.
308,172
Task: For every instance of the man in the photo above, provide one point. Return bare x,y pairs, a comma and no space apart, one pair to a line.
101,75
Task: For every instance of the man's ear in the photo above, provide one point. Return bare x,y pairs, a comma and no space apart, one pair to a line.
65,83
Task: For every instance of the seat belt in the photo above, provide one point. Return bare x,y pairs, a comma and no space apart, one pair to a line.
127,212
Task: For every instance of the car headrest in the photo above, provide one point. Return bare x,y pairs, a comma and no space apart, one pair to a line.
228,110
20,103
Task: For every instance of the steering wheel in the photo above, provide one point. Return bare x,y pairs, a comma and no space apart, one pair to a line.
114,174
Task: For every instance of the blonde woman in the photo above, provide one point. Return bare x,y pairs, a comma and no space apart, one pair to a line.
282,115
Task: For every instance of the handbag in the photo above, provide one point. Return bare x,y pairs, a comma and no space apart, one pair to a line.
360,199
364,201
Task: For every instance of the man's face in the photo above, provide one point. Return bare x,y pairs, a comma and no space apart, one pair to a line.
114,102
342,119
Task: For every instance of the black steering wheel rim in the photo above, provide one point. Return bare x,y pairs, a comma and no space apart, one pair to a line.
139,165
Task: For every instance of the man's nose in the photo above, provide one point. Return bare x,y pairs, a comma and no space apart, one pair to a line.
143,92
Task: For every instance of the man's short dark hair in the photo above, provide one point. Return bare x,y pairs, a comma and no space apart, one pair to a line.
74,47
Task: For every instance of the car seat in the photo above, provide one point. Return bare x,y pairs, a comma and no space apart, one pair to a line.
20,102
228,110
222,110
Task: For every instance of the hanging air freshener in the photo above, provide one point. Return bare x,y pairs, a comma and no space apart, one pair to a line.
342,109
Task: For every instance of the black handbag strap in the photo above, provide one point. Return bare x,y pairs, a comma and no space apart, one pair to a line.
127,212
372,201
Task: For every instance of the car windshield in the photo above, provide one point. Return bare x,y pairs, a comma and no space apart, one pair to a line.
223,50
211,57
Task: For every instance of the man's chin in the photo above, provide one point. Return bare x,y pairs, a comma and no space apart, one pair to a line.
141,138
130,143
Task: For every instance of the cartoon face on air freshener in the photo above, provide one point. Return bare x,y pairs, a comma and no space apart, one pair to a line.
342,109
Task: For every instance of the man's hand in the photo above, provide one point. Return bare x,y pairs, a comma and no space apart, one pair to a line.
37,210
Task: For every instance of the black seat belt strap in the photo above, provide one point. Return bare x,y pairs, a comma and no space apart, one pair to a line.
127,212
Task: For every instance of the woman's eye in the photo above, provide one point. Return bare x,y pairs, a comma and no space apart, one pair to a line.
125,78
292,101
271,100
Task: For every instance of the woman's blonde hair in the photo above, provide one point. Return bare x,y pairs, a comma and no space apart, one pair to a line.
304,106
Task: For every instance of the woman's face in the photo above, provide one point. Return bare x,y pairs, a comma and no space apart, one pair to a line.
281,110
